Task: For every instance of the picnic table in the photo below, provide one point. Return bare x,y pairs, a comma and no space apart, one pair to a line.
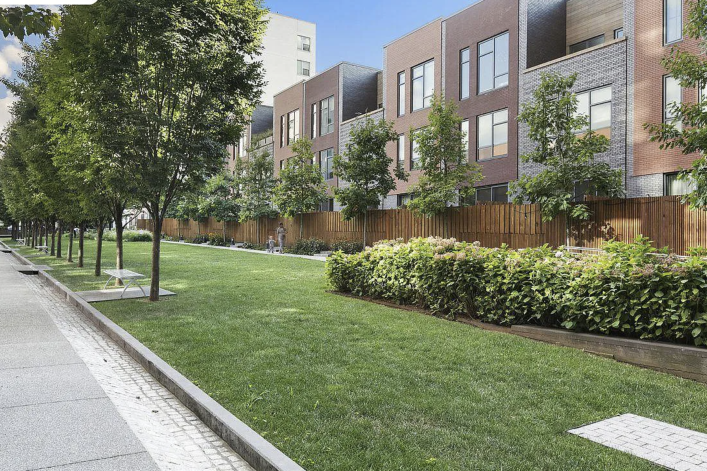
42,248
123,276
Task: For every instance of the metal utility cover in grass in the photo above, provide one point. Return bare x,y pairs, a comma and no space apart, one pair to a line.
659,442
115,294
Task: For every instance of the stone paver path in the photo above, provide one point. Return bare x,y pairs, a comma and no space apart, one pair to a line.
673,447
70,397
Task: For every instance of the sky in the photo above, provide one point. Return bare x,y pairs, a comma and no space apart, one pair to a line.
353,31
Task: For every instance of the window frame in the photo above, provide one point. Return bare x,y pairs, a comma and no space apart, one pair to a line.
492,188
422,65
414,163
330,109
465,139
301,44
465,87
293,119
301,69
480,56
586,41
666,42
493,143
618,31
402,93
313,119
400,151
666,119
666,176
326,163
283,130
592,105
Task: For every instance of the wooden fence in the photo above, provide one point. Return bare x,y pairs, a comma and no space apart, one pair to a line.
665,220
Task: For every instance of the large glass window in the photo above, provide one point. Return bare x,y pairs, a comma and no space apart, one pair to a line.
423,85
283,129
465,138
672,22
404,199
464,74
401,151
326,163
414,156
493,135
672,97
292,126
675,187
495,193
493,63
241,146
596,105
401,93
313,123
327,116
587,43
304,43
303,68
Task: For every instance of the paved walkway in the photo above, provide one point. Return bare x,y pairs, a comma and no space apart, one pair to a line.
261,252
71,400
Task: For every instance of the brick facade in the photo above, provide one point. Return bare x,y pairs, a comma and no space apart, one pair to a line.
284,102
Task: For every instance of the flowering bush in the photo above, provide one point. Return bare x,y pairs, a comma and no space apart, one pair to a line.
628,289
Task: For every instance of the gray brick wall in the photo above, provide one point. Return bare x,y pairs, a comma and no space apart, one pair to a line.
267,145
601,67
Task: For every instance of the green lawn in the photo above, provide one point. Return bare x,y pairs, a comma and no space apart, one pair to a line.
342,384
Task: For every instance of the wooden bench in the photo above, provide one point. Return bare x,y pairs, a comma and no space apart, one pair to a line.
124,275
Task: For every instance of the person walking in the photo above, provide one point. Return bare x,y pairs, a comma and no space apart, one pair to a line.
281,232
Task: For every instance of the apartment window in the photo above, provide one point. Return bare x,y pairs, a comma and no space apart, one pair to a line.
404,199
464,74
493,135
493,63
618,33
304,43
401,151
494,193
596,105
702,93
292,126
587,43
282,165
241,147
327,205
314,121
676,187
423,85
327,116
283,129
401,93
672,21
672,97
414,156
465,138
303,68
326,163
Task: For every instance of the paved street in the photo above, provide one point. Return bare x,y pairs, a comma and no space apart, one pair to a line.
71,400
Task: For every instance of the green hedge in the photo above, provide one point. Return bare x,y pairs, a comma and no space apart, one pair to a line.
625,291
308,246
129,236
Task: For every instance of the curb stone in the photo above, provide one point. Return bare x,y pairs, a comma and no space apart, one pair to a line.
257,451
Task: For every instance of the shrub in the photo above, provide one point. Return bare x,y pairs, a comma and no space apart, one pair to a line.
252,246
628,290
347,246
308,246
216,239
200,239
129,236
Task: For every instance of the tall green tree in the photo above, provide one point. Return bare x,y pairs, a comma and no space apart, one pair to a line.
171,84
566,149
256,186
366,169
221,201
24,21
690,136
302,187
447,176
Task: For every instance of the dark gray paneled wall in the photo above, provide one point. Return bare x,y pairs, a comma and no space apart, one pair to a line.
360,90
546,31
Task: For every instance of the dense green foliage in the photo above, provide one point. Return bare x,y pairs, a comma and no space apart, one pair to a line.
129,236
307,246
629,290
347,246
338,383
566,149
24,21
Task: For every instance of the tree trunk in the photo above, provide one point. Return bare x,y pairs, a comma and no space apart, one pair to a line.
53,252
58,241
82,227
34,234
99,248
301,225
118,246
224,232
365,224
70,255
198,228
446,223
155,274
257,229
179,229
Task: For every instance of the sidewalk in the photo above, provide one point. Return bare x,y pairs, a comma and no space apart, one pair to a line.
237,249
71,400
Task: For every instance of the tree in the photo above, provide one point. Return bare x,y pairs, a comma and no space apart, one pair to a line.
448,176
256,185
221,202
566,148
171,84
365,167
302,187
690,135
24,21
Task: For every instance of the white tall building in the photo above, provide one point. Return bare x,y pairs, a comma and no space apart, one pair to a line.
289,53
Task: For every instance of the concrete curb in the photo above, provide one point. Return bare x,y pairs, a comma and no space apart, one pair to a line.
258,452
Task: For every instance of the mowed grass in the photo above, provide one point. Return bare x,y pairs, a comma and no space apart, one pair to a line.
342,384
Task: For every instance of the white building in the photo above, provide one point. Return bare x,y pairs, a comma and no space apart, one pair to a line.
289,53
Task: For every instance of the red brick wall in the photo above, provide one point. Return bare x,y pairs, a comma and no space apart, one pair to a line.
286,101
648,91
477,23
401,55
318,88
